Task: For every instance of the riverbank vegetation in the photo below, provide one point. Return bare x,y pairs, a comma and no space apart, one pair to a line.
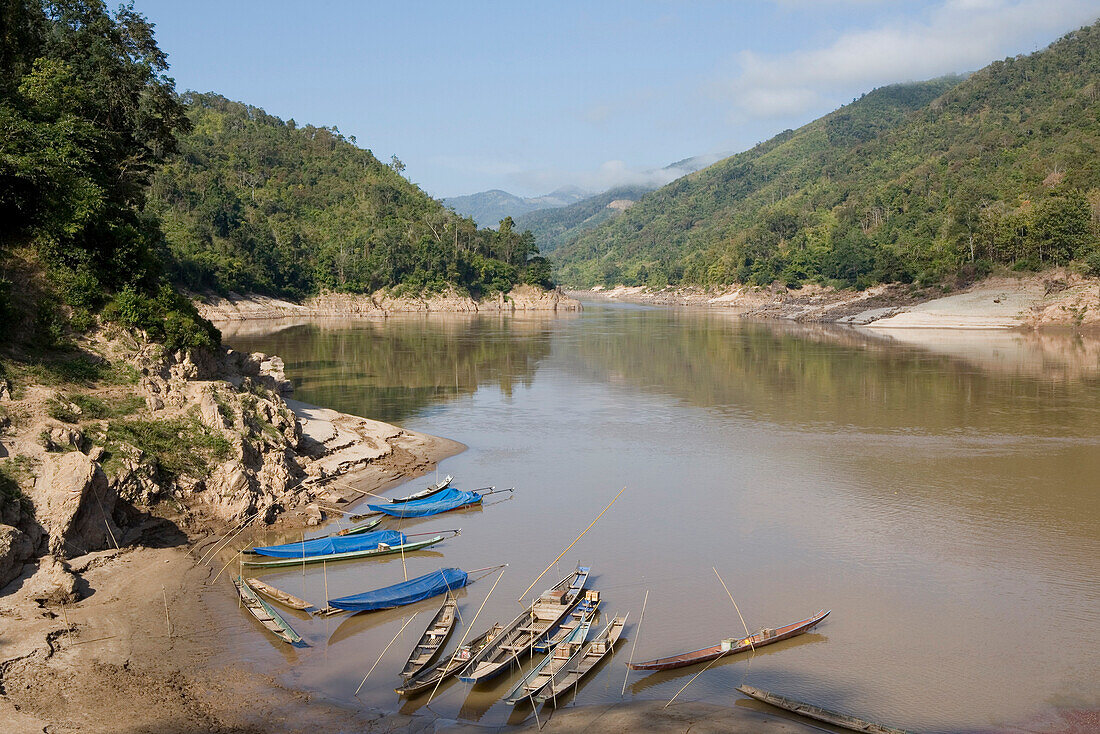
924,182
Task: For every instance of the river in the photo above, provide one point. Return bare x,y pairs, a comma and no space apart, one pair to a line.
938,491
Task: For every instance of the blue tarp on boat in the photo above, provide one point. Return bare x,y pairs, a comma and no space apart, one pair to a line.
333,544
448,499
407,592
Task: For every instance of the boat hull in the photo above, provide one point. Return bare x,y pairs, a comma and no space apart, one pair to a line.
351,555
707,654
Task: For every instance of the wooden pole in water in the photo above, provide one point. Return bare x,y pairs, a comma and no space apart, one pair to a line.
324,570
570,545
466,634
712,662
387,647
236,556
637,634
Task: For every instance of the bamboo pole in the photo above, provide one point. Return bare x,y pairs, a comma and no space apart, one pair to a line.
235,557
570,545
167,619
637,634
238,527
387,647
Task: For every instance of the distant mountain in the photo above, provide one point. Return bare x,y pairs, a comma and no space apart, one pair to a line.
489,207
912,182
555,227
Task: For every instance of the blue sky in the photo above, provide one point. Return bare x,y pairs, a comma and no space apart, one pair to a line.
528,96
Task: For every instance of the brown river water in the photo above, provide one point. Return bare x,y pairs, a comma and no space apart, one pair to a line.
938,491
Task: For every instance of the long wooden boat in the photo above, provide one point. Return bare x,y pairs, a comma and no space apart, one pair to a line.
835,718
361,527
381,550
265,613
544,672
433,639
733,645
287,600
450,664
520,636
554,637
582,662
432,489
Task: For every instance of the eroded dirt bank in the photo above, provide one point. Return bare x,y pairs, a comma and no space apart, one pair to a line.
1053,298
236,307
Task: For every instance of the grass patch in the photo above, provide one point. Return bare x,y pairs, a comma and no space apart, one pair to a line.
181,446
14,472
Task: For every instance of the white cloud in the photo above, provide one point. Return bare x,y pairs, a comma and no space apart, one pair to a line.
958,35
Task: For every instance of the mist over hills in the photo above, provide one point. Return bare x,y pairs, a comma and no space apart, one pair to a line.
911,182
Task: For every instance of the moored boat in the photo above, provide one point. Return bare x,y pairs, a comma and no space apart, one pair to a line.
361,527
733,645
554,637
445,501
582,662
559,656
433,639
432,489
378,549
265,614
450,664
406,592
835,718
287,600
519,637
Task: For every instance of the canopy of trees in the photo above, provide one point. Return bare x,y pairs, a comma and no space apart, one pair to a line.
909,182
255,203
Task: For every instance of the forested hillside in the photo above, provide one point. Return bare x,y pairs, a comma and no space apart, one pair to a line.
555,227
910,182
255,203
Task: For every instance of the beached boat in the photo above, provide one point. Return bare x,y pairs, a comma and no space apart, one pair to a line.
287,600
732,645
406,592
835,718
445,501
554,637
361,527
582,662
559,656
422,494
520,636
433,639
380,549
449,665
265,613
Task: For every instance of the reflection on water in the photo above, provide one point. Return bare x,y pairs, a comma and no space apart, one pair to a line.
937,491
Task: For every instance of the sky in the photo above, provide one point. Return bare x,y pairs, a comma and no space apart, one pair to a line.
528,97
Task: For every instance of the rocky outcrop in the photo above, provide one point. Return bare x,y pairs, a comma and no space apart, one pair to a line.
16,548
236,307
75,504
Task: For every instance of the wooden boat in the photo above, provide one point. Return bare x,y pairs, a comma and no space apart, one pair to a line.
733,645
381,550
433,639
450,664
520,636
432,489
287,600
835,718
559,656
581,663
265,613
586,608
361,528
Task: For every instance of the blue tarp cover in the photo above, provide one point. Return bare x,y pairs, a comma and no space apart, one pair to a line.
448,499
336,544
407,592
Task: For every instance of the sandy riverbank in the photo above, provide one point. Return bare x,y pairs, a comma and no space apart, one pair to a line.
1054,298
143,649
